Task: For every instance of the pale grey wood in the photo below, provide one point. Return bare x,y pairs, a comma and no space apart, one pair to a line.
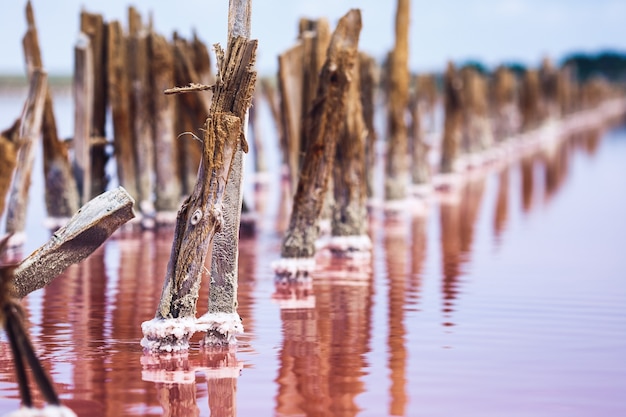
88,229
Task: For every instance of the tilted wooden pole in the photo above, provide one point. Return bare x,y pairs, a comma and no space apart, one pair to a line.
87,230
30,132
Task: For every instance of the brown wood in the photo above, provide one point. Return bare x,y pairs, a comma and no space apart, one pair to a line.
290,84
530,100
143,111
349,217
87,230
396,162
505,110
168,188
323,125
420,167
477,134
29,134
92,25
61,193
368,77
83,98
200,216
453,102
119,99
9,145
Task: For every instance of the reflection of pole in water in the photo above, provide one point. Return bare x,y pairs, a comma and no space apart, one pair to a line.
396,248
527,166
457,235
418,256
343,306
502,205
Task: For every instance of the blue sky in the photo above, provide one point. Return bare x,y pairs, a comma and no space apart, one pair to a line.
492,31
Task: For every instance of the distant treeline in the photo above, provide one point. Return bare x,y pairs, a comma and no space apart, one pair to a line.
608,64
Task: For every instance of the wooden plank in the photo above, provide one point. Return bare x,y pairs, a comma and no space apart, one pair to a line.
83,234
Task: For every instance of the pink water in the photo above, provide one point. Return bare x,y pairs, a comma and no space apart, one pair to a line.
510,303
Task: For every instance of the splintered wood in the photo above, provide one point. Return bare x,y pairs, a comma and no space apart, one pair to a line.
323,124
200,216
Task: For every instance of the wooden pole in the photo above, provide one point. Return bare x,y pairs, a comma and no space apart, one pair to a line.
201,215
83,98
61,193
323,125
142,115
420,167
349,213
225,255
119,99
168,188
92,25
369,81
396,163
83,234
452,122
29,134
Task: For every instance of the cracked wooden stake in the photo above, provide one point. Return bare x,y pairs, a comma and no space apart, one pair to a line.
200,216
225,255
324,124
29,134
87,230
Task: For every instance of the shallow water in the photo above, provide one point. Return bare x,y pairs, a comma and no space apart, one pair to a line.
511,302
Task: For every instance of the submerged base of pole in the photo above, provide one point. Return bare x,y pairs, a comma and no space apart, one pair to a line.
172,335
291,270
221,329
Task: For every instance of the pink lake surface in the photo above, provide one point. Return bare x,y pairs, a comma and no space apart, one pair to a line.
510,303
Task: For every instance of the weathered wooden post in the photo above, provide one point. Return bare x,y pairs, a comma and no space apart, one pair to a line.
530,100
420,166
29,134
369,74
324,124
452,122
61,193
138,60
222,313
396,162
505,111
201,215
168,188
92,25
119,99
83,99
349,216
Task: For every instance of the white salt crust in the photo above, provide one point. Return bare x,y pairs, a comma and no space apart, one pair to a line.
172,335
47,411
293,267
350,246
